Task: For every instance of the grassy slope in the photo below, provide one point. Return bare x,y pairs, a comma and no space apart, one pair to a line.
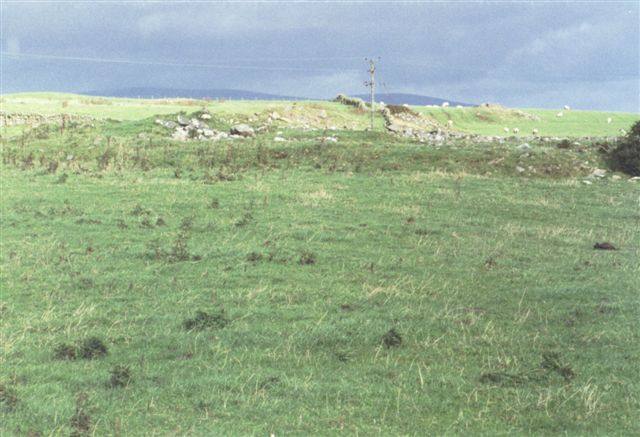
480,275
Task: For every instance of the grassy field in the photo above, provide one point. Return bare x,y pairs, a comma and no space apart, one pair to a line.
491,121
485,121
371,286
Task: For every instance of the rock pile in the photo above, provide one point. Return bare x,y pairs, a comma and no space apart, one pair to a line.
410,124
185,129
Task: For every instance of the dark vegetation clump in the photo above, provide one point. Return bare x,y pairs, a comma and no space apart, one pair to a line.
92,347
503,378
625,157
552,361
88,349
604,246
564,144
254,257
120,376
180,250
8,398
81,420
246,218
307,258
64,351
392,338
204,320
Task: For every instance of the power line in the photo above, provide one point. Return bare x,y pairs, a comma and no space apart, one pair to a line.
174,63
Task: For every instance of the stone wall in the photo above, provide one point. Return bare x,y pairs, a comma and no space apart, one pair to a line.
33,119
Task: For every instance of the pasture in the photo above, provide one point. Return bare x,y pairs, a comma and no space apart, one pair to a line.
367,286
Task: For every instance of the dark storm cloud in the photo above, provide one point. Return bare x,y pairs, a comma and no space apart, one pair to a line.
522,54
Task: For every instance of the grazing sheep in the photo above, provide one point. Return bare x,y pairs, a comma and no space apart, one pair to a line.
559,114
516,130
458,106
534,132
609,120
445,104
506,130
567,108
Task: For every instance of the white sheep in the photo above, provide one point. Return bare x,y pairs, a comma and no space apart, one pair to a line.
534,132
506,130
560,114
445,104
516,130
609,120
567,108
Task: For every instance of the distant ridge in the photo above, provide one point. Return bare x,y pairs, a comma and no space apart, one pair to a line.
411,99
230,94
172,93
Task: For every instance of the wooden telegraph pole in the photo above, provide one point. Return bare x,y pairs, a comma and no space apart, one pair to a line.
372,85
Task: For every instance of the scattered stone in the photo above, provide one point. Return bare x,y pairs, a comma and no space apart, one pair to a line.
208,132
279,139
587,182
182,121
331,139
519,169
604,246
205,116
242,130
180,134
167,124
394,128
599,173
616,177
322,114
523,147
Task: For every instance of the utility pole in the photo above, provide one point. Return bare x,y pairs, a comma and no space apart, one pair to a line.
372,84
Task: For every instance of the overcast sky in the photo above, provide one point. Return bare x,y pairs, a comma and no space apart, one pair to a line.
523,54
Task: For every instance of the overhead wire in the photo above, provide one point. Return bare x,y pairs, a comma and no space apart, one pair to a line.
186,64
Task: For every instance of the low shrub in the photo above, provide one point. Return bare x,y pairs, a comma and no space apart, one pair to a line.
625,157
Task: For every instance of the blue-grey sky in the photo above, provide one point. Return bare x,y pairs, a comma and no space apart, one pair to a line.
585,54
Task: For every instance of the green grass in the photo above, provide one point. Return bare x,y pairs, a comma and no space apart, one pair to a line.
490,121
247,287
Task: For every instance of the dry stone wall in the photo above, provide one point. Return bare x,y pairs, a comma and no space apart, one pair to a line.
33,119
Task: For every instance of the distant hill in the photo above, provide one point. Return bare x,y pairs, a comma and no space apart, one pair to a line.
159,93
173,93
411,99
